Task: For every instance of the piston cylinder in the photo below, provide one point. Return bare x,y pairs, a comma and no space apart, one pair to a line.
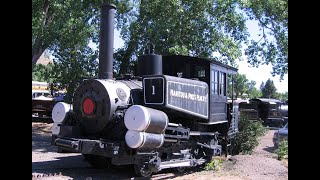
59,111
136,139
140,118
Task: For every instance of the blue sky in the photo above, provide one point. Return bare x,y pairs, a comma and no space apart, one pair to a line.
256,74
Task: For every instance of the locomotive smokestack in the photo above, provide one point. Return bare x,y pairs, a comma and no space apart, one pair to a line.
106,41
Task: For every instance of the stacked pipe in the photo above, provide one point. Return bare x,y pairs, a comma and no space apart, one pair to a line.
59,115
145,127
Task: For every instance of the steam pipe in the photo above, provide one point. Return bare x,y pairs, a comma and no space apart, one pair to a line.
106,41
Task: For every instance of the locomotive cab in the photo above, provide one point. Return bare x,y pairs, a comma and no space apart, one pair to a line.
194,86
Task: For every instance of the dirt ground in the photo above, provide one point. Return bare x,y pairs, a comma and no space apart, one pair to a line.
48,164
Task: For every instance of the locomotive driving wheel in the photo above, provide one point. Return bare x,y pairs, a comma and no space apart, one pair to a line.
180,169
142,170
98,162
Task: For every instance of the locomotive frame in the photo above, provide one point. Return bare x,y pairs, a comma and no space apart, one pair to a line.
175,114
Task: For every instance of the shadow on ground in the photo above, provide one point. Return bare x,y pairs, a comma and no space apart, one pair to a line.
76,168
42,143
270,149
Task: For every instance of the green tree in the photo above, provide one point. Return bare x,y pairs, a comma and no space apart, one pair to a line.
282,96
240,84
252,91
268,90
211,29
250,87
206,28
243,85
55,21
72,65
42,72
272,17
262,85
197,28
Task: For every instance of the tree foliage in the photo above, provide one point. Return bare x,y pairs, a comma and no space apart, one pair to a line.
282,150
268,90
272,17
243,86
247,138
240,84
282,96
72,65
197,28
206,28
42,72
56,21
252,91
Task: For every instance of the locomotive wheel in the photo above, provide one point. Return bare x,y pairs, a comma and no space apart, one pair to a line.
60,150
98,162
180,169
142,171
199,153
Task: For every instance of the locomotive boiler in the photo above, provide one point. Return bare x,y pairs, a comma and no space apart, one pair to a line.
173,114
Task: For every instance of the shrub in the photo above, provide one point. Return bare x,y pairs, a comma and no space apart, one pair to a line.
247,138
214,165
282,150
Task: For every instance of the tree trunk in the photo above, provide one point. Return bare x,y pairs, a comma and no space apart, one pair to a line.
37,50
38,46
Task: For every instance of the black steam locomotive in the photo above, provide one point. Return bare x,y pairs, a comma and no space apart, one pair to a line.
175,114
267,111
